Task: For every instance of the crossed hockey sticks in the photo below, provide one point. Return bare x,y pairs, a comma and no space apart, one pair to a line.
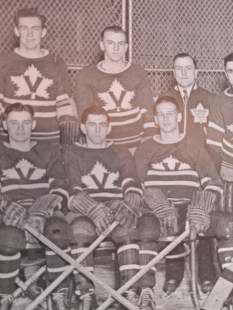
146,268
75,264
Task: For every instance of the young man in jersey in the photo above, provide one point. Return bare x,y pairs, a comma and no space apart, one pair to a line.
195,106
103,188
32,75
34,191
187,177
121,88
220,127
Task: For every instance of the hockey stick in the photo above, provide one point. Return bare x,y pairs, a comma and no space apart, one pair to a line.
76,265
146,268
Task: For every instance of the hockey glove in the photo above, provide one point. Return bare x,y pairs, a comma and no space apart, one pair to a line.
128,210
15,215
163,209
69,132
226,172
98,212
203,202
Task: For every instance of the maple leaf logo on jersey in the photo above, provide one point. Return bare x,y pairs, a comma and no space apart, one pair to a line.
170,163
24,170
117,98
32,83
200,114
100,178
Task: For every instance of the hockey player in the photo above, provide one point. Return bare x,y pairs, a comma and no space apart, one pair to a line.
104,188
32,75
187,177
121,88
220,127
33,187
195,105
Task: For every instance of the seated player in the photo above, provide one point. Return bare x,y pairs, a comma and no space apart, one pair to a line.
33,188
103,188
187,177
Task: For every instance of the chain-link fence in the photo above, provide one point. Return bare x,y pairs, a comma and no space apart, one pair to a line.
160,29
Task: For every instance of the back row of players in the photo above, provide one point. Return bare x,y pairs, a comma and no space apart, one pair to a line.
115,102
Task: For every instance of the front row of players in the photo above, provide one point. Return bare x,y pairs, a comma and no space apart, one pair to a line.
175,183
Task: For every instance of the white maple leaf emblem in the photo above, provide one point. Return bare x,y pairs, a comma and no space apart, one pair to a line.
100,177
117,98
170,163
200,114
32,83
25,168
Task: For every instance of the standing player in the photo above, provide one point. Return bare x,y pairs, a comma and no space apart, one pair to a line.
104,187
33,186
121,88
32,75
187,177
195,105
220,127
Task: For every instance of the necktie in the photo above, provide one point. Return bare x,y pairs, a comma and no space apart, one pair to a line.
185,96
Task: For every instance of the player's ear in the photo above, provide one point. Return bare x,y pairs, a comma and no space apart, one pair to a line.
4,124
33,124
101,45
16,31
179,117
109,128
156,120
83,128
44,32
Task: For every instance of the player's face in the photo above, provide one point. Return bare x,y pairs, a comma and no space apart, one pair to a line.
30,33
114,46
229,72
19,126
96,130
167,117
184,72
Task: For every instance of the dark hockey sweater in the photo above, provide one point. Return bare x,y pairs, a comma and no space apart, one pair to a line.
177,169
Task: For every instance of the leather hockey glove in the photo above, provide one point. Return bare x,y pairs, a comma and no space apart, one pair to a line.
42,209
69,132
163,209
128,210
203,202
98,212
226,172
15,215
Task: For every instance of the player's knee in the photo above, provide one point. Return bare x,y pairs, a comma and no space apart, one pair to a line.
12,240
149,227
57,230
83,230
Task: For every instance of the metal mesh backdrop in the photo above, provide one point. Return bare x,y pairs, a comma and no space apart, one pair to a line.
159,29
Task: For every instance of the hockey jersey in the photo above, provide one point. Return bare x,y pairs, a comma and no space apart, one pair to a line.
177,169
28,175
106,174
125,95
43,84
220,127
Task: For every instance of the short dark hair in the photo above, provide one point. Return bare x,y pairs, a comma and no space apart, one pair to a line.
166,99
113,28
95,110
18,107
227,59
29,12
183,55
